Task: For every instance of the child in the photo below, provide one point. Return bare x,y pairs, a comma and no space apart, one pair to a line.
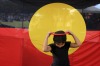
59,48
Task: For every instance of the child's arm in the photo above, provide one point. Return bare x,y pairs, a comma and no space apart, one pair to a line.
77,41
46,48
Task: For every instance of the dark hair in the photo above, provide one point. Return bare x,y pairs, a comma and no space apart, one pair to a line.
59,38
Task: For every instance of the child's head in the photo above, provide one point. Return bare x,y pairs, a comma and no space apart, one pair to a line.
59,38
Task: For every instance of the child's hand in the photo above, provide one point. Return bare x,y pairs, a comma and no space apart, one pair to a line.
69,32
49,33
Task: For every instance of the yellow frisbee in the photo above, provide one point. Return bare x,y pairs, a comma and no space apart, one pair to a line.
53,17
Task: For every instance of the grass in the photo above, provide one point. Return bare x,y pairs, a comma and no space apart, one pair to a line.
17,24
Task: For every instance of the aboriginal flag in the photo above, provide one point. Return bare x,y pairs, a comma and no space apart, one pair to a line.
16,48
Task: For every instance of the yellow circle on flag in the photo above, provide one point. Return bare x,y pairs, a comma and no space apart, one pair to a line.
53,17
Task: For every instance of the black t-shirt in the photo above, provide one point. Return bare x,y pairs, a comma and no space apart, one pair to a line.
60,55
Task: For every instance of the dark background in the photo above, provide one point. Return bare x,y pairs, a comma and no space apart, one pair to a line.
19,12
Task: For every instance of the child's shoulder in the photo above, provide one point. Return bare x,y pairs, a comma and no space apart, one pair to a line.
52,44
68,42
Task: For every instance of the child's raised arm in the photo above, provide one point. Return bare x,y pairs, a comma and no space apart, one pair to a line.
46,48
77,41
